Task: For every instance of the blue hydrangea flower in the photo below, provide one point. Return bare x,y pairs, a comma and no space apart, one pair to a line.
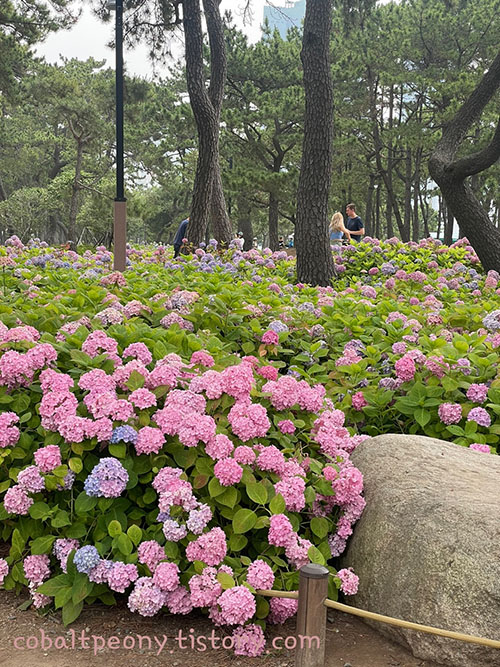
86,559
124,434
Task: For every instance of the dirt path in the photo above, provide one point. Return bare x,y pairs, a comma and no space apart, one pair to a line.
350,643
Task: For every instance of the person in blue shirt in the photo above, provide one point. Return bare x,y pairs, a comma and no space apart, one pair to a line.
354,223
181,233
337,229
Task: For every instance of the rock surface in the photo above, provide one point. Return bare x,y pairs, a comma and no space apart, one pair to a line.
427,548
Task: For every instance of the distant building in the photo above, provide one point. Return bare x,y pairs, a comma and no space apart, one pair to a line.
288,16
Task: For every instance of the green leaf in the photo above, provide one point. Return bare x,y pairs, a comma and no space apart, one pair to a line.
54,585
61,519
114,528
42,545
84,503
135,381
76,465
62,596
82,587
124,544
277,504
135,534
237,542
215,488
456,430
225,580
229,498
243,521
71,611
257,492
39,511
316,556
319,526
118,449
262,610
422,416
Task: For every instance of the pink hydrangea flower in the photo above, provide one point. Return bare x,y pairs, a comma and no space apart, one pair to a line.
281,533
348,581
260,575
36,568
146,598
17,501
477,447
270,337
142,398
219,447
249,640
480,416
166,577
47,458
121,575
450,413
149,440
150,553
405,368
228,472
281,609
237,605
286,426
477,393
244,454
359,401
210,548
4,570
248,420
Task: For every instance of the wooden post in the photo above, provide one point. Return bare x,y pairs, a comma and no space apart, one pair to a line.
311,616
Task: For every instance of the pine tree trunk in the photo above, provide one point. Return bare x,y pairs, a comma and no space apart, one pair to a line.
75,192
221,225
369,206
314,256
273,222
451,173
245,222
206,105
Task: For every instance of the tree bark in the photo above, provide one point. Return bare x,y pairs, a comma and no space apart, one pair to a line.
369,206
450,172
221,225
75,192
314,256
273,221
245,222
206,105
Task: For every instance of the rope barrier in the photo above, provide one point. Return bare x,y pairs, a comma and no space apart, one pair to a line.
293,595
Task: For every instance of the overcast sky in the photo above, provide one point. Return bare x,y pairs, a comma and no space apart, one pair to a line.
89,38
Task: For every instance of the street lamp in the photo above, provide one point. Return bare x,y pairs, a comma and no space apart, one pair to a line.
120,204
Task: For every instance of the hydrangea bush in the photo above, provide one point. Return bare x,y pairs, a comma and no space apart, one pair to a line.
180,433
180,484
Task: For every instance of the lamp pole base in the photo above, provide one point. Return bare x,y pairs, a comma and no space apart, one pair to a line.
120,236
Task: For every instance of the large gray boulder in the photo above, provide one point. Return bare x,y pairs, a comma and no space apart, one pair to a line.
427,548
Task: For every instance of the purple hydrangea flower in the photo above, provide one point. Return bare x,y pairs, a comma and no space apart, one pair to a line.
108,479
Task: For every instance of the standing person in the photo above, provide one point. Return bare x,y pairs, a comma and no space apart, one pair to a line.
354,223
181,233
337,228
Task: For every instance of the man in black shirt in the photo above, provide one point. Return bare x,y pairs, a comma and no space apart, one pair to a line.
354,223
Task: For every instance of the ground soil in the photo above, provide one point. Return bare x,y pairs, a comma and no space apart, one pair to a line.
350,643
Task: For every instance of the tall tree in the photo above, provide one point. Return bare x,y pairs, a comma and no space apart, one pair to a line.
206,105
314,255
263,116
451,171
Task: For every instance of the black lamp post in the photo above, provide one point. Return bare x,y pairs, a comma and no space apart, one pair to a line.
120,204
